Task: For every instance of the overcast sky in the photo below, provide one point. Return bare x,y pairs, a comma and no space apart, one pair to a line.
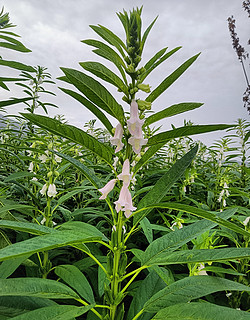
53,30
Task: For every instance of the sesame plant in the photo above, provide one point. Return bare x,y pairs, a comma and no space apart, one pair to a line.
133,264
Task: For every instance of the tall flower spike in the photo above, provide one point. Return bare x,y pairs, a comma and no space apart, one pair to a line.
107,188
117,139
125,176
134,122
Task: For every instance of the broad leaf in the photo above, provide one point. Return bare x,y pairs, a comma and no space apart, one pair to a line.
201,311
31,228
174,240
166,83
72,133
17,207
76,280
9,266
202,255
188,289
50,241
36,287
59,312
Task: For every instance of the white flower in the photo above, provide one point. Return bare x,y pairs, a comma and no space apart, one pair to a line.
44,189
246,221
125,176
34,179
43,158
107,188
52,190
31,167
117,139
58,159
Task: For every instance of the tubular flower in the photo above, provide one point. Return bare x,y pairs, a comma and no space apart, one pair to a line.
44,189
125,176
51,190
124,202
134,123
117,139
107,188
137,142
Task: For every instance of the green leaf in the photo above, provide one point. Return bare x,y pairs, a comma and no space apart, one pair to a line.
166,83
222,270
146,289
171,111
186,131
147,155
174,240
162,186
202,255
146,33
17,65
29,227
51,241
158,62
12,306
188,289
88,173
203,214
18,175
16,207
95,92
9,266
76,280
104,73
110,37
59,312
72,133
36,287
155,58
201,311
13,44
98,113
5,103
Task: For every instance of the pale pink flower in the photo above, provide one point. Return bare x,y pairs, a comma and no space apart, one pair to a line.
51,190
137,142
134,123
124,202
125,176
107,188
117,139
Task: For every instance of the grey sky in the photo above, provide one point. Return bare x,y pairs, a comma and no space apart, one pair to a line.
53,30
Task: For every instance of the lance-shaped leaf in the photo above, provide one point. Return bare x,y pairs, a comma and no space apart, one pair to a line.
72,133
95,92
158,62
96,111
201,311
28,227
176,239
50,241
166,83
104,73
9,266
172,111
203,214
109,54
76,280
202,255
13,44
10,102
186,131
188,289
16,65
36,287
146,33
162,186
88,173
58,312
155,58
110,37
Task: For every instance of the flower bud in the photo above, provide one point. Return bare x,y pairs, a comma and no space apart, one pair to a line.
144,87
